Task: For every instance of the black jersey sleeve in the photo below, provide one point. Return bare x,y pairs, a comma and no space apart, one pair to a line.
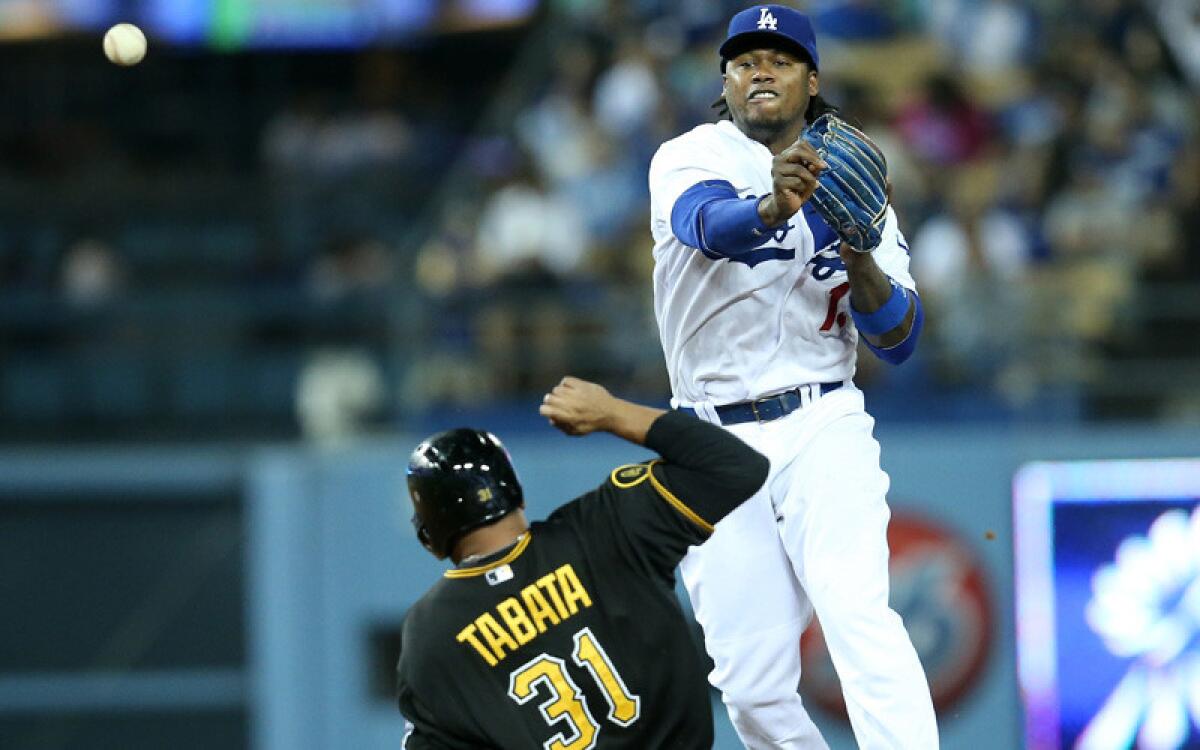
709,466
653,512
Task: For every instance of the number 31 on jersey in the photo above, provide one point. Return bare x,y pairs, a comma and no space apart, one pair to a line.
546,674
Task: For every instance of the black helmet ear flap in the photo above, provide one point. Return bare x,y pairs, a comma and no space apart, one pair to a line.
423,537
460,480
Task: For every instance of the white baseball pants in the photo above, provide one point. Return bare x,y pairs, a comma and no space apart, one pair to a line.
813,538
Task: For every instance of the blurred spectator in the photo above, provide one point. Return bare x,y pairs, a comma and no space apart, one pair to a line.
444,264
310,138
449,370
530,245
994,36
554,128
1181,28
1093,234
853,20
352,286
616,173
693,85
339,394
1030,114
351,267
973,235
93,279
1109,20
1185,202
944,126
1065,98
971,260
627,93
528,234
92,274
292,132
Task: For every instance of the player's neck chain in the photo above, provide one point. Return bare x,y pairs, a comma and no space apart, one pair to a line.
471,560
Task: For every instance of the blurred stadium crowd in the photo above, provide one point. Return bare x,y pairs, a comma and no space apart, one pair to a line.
262,244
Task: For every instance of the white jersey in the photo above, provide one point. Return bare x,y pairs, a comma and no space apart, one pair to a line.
776,318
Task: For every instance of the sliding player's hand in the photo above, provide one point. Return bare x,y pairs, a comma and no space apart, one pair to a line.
578,407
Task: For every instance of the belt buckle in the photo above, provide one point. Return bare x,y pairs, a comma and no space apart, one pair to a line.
754,409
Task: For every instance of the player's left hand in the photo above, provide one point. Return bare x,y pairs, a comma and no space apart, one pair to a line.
578,407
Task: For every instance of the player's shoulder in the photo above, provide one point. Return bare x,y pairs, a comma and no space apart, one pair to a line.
708,138
620,480
708,132
430,624
433,610
419,616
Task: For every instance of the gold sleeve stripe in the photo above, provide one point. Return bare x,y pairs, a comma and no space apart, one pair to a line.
676,503
513,555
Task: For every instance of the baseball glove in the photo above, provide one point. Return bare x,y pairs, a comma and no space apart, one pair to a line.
852,193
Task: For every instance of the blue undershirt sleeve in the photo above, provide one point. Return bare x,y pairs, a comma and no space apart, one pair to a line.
711,218
900,352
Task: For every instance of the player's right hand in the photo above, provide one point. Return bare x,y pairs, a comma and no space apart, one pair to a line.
794,173
578,407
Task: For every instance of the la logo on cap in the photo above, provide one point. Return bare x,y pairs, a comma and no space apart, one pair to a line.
766,20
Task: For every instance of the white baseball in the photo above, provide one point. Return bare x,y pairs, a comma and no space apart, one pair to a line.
125,44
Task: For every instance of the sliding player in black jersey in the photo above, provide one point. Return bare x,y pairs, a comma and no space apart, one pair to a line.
565,635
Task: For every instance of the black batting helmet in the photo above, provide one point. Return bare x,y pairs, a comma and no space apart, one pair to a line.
460,480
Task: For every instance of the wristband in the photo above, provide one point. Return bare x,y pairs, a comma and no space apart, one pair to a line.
885,318
900,352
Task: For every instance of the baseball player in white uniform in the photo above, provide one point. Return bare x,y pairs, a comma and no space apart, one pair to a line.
760,308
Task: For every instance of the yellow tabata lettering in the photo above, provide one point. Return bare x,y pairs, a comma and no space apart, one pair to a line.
572,589
516,620
497,637
467,635
539,608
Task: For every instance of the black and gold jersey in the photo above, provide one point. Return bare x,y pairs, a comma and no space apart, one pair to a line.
573,637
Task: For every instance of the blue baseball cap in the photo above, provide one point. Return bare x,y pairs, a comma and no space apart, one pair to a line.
775,26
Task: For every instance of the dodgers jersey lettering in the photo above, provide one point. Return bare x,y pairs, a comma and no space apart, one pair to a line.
739,329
